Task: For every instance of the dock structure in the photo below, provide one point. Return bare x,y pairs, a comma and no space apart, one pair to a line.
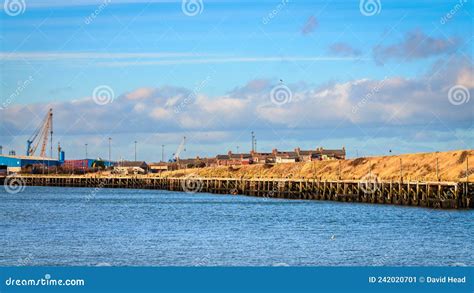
445,195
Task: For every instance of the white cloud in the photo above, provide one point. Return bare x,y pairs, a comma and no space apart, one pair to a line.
389,101
466,78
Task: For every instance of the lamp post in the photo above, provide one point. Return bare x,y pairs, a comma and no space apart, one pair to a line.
85,159
135,151
162,152
253,141
110,149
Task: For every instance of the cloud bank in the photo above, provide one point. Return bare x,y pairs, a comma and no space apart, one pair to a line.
421,106
389,101
416,45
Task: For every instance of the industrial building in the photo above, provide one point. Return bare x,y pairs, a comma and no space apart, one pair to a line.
87,164
16,163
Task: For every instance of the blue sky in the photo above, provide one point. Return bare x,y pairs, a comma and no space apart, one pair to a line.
370,82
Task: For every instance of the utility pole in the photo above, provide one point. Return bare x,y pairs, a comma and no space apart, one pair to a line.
237,149
1,150
255,145
86,150
135,151
162,152
110,149
253,141
51,132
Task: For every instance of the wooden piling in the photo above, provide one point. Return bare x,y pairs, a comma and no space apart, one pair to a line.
438,194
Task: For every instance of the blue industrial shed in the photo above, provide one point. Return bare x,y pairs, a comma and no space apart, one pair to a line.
24,161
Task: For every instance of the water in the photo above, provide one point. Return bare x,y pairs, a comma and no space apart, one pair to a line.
84,226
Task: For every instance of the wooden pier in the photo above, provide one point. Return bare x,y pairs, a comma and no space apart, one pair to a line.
446,195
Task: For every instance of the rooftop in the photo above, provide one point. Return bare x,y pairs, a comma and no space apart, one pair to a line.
36,158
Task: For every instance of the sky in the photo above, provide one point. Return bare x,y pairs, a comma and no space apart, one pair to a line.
378,77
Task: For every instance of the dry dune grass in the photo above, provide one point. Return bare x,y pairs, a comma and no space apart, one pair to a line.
422,167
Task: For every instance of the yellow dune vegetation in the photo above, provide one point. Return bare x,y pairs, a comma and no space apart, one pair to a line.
451,166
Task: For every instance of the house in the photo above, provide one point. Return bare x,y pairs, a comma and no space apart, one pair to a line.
299,155
285,156
262,158
233,159
197,162
323,154
305,155
210,162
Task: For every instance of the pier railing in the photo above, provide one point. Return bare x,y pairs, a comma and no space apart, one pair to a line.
447,195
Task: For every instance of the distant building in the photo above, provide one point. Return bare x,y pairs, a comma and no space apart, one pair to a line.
191,163
132,167
232,159
263,158
210,162
86,164
286,157
299,155
324,154
17,163
158,167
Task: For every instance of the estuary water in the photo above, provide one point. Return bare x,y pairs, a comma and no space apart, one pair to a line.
52,226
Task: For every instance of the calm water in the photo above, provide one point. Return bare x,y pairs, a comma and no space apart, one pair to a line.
59,226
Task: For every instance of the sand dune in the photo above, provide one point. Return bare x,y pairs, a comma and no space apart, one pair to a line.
422,167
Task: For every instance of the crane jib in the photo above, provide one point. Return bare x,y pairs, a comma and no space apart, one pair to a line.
41,136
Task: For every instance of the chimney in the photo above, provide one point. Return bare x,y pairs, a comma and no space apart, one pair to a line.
229,153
